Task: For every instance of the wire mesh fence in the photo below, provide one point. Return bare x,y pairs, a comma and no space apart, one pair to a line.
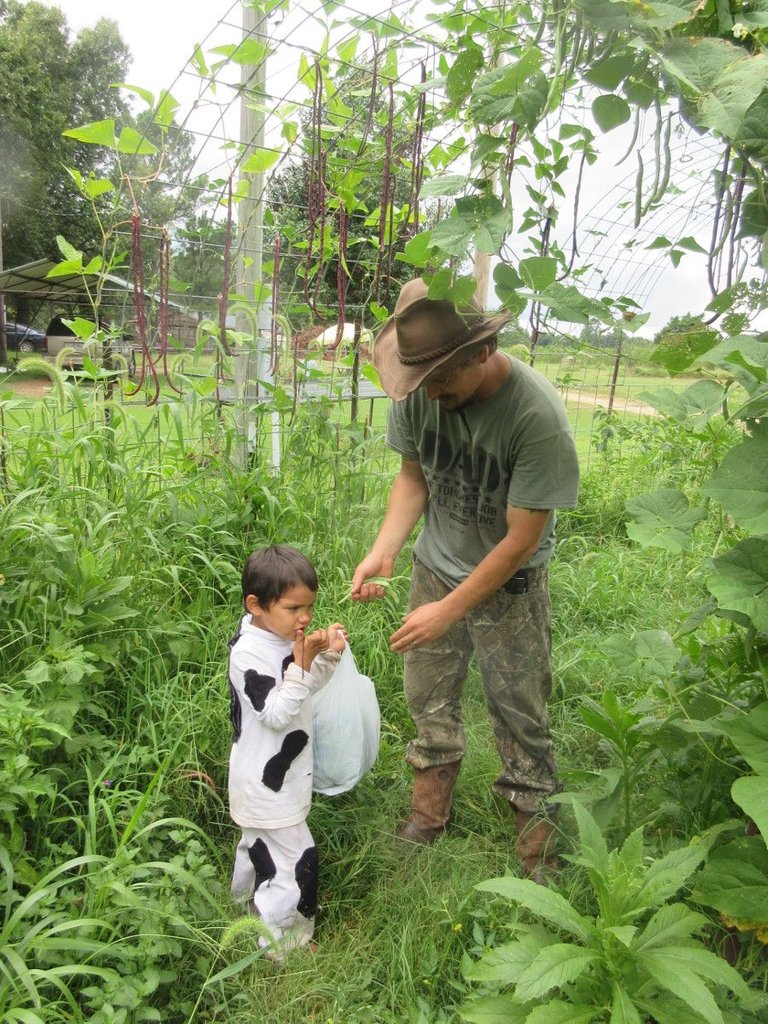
213,417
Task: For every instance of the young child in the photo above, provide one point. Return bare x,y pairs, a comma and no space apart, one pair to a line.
273,666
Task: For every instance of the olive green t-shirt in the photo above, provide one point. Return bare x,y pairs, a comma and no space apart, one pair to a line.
513,448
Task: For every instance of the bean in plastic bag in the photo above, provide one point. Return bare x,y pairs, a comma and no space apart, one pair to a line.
346,726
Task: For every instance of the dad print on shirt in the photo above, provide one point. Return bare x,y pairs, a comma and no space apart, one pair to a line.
463,483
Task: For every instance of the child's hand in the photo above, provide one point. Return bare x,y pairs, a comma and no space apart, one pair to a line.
337,637
306,646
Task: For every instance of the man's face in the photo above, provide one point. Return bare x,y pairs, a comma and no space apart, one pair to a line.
454,389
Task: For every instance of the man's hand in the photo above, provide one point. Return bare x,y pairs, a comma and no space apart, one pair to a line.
371,565
422,625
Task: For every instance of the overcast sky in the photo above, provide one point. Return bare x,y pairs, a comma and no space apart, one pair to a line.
162,35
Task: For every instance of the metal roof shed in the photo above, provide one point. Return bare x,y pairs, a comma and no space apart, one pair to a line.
32,282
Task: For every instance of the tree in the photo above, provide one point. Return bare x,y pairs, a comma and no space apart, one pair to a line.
198,260
48,84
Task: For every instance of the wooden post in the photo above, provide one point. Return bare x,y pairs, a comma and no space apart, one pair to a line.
615,372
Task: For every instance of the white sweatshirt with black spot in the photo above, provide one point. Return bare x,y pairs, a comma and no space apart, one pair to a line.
270,765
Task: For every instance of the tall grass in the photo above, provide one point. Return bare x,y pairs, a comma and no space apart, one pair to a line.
119,587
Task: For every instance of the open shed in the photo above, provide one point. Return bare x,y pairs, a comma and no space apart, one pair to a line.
41,299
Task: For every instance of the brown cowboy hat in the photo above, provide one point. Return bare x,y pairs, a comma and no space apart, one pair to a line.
424,334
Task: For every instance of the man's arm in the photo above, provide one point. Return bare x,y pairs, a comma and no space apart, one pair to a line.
430,621
407,501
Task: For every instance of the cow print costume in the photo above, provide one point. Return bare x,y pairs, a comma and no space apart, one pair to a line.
270,780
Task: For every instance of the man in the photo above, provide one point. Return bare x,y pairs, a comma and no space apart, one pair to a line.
487,455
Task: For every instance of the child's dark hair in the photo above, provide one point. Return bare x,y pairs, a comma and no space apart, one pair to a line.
269,572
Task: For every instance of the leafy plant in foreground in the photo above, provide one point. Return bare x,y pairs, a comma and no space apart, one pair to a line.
735,879
621,732
637,959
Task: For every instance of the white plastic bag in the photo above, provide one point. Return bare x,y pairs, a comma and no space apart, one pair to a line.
345,725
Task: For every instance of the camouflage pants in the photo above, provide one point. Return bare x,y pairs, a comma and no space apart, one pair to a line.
511,637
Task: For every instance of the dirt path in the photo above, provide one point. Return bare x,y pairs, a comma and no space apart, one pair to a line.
36,388
620,404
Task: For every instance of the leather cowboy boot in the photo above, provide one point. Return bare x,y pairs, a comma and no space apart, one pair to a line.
431,802
535,844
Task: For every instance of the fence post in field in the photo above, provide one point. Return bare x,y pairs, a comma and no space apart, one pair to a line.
615,370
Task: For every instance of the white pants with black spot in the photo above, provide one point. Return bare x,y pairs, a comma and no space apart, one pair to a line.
276,869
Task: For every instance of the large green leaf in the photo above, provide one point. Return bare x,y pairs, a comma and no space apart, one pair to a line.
494,1010
743,349
506,962
558,1012
707,965
541,901
481,221
134,143
66,268
444,185
555,966
610,72
606,15
651,653
459,80
694,407
662,15
623,1009
677,978
97,133
444,285
735,880
665,876
538,272
751,794
260,161
610,111
676,352
740,484
516,92
749,734
593,844
508,283
753,133
416,251
569,304
723,80
754,214
652,16
663,519
453,235
249,51
673,921
740,580
166,108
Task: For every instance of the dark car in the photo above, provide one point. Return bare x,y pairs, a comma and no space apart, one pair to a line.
25,339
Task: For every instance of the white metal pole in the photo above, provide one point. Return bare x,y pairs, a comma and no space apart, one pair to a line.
251,319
